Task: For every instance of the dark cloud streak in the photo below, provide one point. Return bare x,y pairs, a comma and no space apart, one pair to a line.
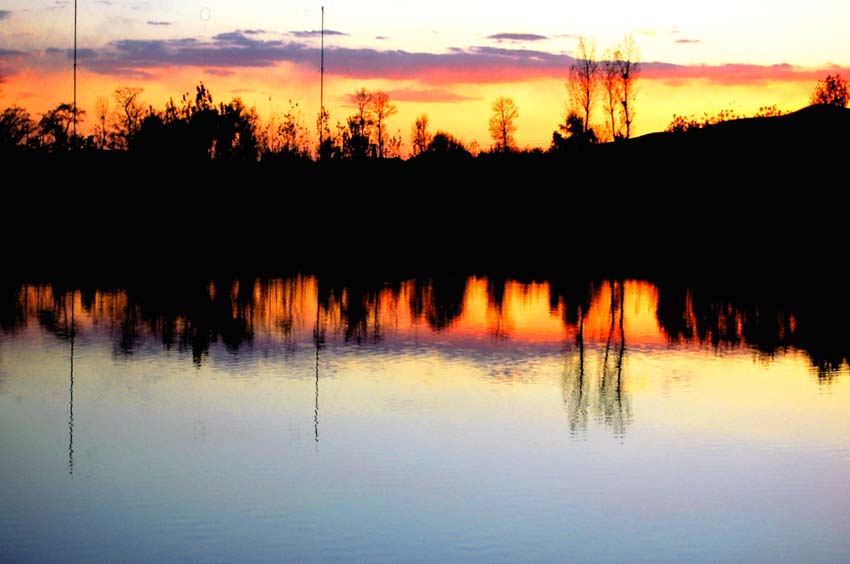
516,37
315,33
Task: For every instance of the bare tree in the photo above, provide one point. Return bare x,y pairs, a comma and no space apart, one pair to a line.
610,98
357,140
102,109
362,98
584,80
129,113
381,108
419,136
628,66
503,123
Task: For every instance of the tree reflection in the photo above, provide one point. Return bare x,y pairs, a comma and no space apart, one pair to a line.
613,406
575,382
808,320
439,300
195,315
598,387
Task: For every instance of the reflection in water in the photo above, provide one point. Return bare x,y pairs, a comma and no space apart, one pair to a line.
571,389
607,396
276,315
71,400
318,339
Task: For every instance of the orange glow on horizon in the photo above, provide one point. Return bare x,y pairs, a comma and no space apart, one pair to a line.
465,113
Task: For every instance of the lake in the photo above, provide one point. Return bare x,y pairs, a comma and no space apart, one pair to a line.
445,419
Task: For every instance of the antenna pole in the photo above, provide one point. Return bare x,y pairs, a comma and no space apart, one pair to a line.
321,84
75,69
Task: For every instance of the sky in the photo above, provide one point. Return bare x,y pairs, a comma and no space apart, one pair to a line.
446,59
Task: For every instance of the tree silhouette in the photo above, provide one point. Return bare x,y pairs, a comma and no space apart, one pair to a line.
55,124
201,117
287,135
326,148
503,123
357,135
419,136
446,144
832,91
129,114
381,108
608,74
102,111
355,139
584,80
628,66
572,133
16,125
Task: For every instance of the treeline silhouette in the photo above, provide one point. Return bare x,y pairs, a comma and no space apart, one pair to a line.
744,200
192,317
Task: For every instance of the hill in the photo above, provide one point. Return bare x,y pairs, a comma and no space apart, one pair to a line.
799,143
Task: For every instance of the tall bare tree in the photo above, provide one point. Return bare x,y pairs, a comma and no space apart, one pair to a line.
608,76
419,136
381,108
584,80
129,113
361,99
503,123
628,66
102,109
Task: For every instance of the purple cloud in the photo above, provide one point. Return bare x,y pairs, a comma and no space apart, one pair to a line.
478,64
315,33
516,37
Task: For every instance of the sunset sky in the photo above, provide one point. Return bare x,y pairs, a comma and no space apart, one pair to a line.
446,59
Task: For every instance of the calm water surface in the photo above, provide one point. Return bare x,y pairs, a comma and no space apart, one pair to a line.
459,420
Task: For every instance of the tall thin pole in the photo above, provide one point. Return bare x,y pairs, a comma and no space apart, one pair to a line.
317,337
75,68
321,84
71,404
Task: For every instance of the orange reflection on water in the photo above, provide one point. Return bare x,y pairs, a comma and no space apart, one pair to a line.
522,315
639,300
471,310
